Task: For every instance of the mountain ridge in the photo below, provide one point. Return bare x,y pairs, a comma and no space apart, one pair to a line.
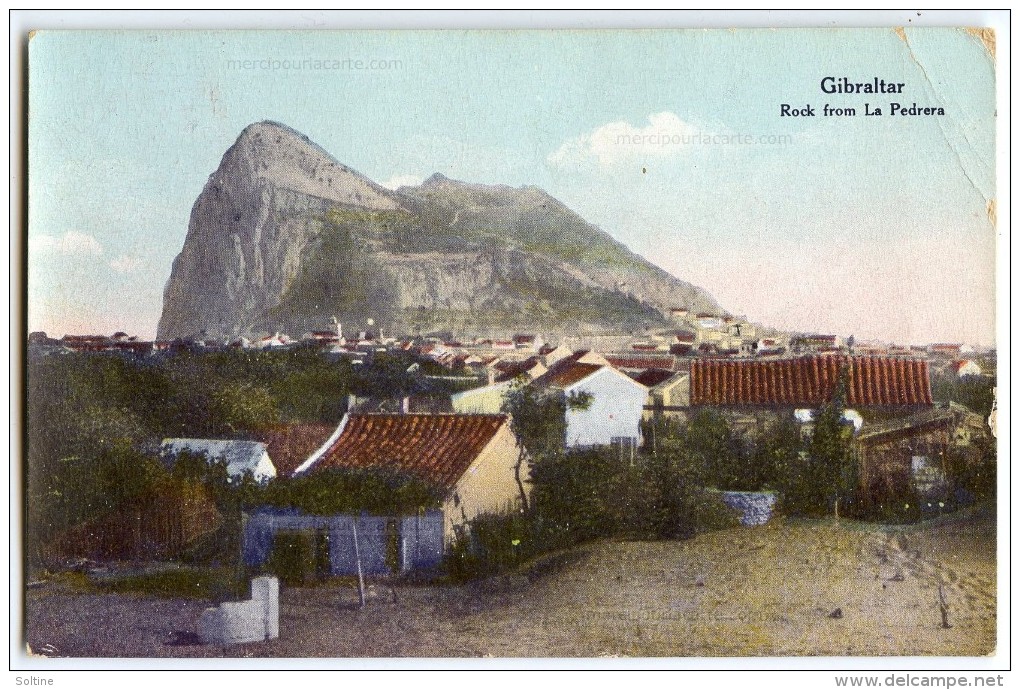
283,237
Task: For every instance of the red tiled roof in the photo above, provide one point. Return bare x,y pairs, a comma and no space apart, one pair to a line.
437,448
810,381
85,339
511,370
566,373
653,377
291,445
642,361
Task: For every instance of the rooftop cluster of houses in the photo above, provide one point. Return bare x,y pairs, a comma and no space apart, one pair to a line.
698,335
466,445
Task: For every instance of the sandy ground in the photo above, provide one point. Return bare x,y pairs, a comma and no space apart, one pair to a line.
768,590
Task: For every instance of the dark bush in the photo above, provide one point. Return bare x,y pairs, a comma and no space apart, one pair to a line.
493,544
897,504
972,470
340,491
292,558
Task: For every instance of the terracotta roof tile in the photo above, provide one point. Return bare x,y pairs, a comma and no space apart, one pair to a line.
291,445
810,381
653,377
637,361
566,374
511,370
437,448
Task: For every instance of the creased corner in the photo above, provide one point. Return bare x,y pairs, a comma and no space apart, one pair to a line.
986,36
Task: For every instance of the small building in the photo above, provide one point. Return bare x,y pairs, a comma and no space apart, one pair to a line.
321,337
913,452
615,406
240,457
505,377
815,342
274,342
474,458
684,342
87,343
945,350
528,342
508,370
550,355
667,389
709,321
769,347
640,361
965,367
754,391
809,381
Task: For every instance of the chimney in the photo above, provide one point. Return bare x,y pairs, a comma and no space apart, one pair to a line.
405,405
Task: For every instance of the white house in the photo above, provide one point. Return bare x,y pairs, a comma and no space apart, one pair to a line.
240,457
613,413
966,367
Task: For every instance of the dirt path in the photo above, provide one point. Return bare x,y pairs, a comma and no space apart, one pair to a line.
771,590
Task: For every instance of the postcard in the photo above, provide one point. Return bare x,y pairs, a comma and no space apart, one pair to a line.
656,344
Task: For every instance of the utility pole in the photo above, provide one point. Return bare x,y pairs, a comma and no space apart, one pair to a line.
357,559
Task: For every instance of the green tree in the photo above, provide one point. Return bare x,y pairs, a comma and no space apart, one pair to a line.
833,465
538,420
973,392
243,406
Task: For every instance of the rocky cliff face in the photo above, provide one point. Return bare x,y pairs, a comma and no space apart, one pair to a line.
283,237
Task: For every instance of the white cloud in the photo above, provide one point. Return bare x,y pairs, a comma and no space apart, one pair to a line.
71,242
665,135
126,264
398,181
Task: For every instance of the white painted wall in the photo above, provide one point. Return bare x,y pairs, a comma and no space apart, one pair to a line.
616,409
251,620
969,368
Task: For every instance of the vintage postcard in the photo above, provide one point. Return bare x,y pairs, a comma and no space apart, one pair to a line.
454,344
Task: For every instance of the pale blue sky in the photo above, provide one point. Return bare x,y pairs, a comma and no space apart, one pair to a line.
870,226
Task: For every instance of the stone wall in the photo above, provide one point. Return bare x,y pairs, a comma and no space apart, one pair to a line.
755,506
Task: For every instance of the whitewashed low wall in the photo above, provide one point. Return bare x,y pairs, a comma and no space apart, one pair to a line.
252,620
755,506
